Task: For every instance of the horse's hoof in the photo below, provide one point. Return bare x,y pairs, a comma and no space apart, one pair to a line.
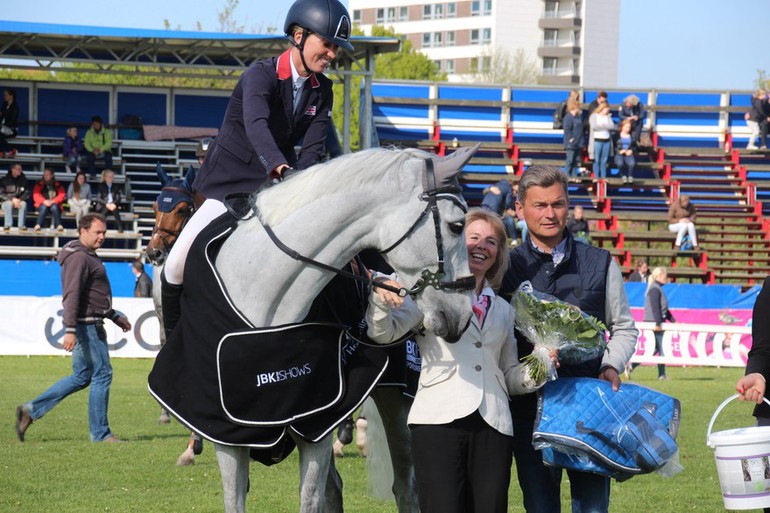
337,448
186,458
164,418
197,444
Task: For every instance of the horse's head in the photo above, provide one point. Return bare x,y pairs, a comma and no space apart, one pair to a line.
173,208
431,256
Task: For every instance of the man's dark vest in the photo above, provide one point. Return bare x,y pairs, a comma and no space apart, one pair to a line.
579,279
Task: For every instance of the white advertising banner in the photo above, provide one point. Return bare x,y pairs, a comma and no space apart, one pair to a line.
33,326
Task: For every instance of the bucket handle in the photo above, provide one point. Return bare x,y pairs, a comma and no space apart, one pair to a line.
719,409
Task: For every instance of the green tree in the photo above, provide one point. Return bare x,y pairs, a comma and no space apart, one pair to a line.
407,64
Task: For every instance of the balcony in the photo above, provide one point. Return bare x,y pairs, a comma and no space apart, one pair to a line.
565,48
560,22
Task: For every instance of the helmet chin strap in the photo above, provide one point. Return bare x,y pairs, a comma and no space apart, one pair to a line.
301,48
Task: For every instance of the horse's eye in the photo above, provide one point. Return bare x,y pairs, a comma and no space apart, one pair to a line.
457,228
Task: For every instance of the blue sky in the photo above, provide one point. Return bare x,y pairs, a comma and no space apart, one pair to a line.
689,44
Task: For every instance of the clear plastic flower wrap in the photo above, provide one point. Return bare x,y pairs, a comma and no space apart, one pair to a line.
549,323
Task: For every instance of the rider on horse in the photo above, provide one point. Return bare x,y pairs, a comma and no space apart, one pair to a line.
277,103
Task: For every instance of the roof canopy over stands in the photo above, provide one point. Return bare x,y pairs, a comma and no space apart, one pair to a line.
220,55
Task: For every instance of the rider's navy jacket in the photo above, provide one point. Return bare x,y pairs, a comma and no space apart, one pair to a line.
260,129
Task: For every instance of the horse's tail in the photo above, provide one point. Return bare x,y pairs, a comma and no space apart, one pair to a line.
379,469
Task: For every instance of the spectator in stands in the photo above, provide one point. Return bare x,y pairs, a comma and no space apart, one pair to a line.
577,225
14,195
79,196
9,122
633,109
109,198
656,310
765,123
589,278
143,285
244,157
98,145
72,149
561,111
601,124
681,220
754,117
202,148
601,99
499,199
573,139
625,151
48,197
641,273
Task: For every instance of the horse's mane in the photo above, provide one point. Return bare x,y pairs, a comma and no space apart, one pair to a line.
337,176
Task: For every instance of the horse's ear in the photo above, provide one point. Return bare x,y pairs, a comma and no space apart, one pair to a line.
164,178
447,168
189,178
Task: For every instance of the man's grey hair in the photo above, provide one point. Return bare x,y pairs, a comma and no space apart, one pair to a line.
541,176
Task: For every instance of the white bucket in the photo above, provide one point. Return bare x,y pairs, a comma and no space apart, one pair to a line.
743,463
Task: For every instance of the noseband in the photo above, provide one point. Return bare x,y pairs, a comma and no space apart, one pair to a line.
427,278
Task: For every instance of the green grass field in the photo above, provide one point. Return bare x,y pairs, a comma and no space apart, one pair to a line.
58,470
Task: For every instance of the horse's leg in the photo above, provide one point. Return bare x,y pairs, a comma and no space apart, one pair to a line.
164,417
394,406
234,467
314,468
333,491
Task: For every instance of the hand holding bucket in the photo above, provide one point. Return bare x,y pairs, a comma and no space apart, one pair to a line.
743,462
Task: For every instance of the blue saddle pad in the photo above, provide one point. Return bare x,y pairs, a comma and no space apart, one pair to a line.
584,425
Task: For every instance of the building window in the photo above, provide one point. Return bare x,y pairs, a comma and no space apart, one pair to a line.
549,66
486,36
551,9
427,11
391,14
438,10
380,18
357,16
450,39
474,65
449,66
426,41
403,13
474,36
451,10
476,8
480,64
438,39
550,37
487,7
437,66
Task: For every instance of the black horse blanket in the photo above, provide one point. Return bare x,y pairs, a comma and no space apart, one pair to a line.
237,384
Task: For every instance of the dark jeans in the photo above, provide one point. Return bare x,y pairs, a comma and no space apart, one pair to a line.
107,156
115,215
510,226
572,162
627,162
659,352
763,126
541,485
55,214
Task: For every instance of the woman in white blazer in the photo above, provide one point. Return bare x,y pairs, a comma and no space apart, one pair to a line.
460,420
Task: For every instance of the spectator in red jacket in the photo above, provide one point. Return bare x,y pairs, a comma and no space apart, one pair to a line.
48,197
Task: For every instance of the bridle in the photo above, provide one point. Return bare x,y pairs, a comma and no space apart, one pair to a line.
427,278
164,233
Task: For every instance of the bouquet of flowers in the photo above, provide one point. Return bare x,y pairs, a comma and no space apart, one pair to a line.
551,324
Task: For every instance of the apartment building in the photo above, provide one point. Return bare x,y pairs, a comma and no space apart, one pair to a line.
573,42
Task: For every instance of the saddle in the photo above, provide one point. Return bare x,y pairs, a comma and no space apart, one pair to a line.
582,424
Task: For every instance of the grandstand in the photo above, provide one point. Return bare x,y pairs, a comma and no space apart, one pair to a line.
696,150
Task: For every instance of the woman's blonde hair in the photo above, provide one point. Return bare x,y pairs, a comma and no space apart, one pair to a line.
632,99
105,173
655,274
500,266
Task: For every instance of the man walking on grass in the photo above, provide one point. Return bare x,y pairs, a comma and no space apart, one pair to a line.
87,301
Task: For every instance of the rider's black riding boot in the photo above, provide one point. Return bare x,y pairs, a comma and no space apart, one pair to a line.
170,302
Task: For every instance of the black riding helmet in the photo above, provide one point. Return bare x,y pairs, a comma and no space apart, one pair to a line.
326,18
